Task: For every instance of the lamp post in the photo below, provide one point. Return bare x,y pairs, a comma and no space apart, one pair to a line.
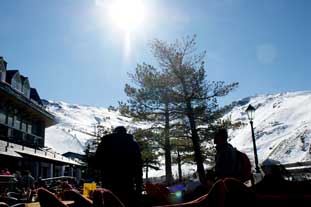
250,113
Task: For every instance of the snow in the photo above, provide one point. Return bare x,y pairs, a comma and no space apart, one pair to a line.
282,126
17,150
73,120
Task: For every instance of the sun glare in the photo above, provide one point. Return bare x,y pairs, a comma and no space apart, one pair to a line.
127,15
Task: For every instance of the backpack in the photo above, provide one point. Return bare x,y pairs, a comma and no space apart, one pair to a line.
244,167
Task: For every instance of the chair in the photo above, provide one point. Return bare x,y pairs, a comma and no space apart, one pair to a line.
158,193
226,192
48,199
79,200
105,198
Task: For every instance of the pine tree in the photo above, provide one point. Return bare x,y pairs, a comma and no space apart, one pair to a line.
177,97
91,168
181,147
149,100
193,96
149,149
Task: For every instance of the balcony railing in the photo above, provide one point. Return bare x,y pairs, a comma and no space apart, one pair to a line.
30,102
23,138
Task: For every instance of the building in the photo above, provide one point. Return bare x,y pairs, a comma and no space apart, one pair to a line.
23,120
74,155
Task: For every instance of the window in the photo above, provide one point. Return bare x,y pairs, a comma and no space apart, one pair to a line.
17,122
40,142
37,128
16,82
24,127
2,117
2,76
10,120
10,132
29,129
26,88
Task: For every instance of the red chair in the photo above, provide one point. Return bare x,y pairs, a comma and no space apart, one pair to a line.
105,198
227,192
48,199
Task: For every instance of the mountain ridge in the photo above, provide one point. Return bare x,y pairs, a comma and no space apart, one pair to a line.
282,125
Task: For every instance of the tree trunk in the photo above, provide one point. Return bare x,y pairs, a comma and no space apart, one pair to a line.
167,148
179,166
194,133
196,143
147,172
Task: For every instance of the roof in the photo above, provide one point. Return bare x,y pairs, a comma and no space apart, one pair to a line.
74,155
4,150
34,95
9,75
23,78
31,105
19,151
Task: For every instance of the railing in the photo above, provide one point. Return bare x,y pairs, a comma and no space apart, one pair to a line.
38,152
6,183
7,87
298,167
23,138
298,171
58,178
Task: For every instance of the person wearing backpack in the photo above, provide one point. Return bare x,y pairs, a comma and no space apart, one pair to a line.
230,162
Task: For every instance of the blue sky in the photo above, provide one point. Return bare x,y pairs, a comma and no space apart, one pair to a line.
71,50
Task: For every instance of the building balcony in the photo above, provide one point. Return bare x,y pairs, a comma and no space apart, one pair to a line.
13,97
17,136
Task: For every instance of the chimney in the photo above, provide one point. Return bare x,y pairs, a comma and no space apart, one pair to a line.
3,65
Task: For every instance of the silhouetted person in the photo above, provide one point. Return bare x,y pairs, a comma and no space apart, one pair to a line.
40,183
120,162
5,171
27,180
226,156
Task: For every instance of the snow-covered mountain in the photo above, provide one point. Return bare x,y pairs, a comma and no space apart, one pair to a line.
282,126
77,123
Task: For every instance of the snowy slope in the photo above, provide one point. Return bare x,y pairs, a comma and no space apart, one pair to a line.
282,126
73,120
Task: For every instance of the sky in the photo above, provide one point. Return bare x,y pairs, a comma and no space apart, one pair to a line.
75,50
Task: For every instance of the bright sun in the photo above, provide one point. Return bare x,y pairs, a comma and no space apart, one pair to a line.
127,15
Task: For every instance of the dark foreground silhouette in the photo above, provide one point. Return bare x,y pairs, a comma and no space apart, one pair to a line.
121,165
270,192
